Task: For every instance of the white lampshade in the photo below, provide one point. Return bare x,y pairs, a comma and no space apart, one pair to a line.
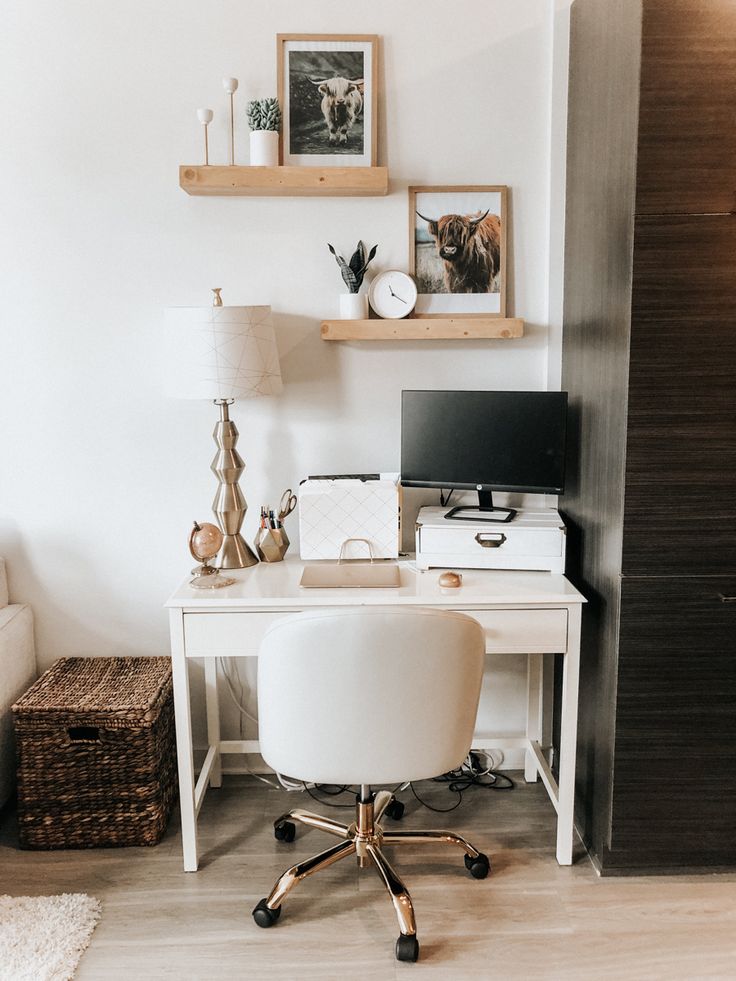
221,353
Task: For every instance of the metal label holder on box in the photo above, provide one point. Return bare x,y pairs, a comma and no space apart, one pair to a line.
335,509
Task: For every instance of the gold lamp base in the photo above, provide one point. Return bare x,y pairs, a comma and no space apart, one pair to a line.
229,504
236,553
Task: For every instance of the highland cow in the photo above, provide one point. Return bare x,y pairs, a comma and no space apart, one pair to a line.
470,249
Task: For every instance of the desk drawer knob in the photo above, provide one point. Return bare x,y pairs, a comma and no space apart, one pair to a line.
486,541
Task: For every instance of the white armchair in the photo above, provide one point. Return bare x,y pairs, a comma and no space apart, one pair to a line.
17,672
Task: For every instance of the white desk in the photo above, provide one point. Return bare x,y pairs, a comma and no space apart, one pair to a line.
532,613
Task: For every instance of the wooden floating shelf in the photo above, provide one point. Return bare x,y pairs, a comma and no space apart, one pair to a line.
284,181
421,328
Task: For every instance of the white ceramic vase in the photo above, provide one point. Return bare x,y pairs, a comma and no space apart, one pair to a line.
264,148
353,306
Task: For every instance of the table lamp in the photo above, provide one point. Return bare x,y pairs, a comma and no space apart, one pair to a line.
223,353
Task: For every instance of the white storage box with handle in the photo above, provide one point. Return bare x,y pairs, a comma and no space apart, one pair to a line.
533,540
334,510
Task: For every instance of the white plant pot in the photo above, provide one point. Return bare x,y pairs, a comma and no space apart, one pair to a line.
264,148
353,306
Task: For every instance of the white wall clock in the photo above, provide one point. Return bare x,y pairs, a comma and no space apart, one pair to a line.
392,294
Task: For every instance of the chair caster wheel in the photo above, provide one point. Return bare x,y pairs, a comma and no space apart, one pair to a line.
407,948
478,867
395,810
264,915
284,831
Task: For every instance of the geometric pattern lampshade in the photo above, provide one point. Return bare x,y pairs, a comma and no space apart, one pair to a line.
221,353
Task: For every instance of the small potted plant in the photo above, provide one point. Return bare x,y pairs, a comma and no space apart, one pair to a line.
264,119
354,304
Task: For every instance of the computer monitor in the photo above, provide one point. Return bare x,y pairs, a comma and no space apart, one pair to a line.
484,441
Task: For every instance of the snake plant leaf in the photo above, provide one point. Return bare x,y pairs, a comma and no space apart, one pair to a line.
353,272
358,258
351,281
361,272
338,258
348,275
371,256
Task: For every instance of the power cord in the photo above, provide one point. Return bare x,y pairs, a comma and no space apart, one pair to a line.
477,770
226,666
472,773
328,790
335,790
284,783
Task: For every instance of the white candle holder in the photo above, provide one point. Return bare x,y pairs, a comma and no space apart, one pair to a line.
231,85
205,118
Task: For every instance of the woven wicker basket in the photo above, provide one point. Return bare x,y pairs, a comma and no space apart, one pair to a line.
96,753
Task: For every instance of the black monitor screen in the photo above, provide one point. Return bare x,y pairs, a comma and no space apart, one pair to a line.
512,441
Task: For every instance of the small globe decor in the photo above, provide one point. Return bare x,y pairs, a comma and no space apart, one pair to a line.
205,541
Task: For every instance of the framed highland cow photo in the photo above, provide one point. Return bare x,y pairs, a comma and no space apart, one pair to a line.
328,98
457,250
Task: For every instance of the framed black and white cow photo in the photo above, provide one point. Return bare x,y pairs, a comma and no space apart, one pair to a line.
327,89
457,250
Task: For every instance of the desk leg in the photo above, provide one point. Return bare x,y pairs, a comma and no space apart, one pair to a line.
534,694
182,713
568,739
213,718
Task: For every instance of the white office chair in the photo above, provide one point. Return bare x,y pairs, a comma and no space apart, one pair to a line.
368,696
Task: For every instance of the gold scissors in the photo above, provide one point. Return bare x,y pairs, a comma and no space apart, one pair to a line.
287,505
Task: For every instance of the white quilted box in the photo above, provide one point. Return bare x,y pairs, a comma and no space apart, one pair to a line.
332,511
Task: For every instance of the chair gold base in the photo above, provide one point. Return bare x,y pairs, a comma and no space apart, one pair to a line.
364,838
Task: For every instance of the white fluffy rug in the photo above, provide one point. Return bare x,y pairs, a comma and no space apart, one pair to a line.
43,937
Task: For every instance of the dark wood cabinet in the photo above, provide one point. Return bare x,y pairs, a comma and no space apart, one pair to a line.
680,486
649,360
674,800
686,161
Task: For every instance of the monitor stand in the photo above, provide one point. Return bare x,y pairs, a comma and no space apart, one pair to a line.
484,511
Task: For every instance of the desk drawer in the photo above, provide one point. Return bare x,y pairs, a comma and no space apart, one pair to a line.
507,631
523,631
226,634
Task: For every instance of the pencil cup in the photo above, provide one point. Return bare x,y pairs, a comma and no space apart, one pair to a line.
271,544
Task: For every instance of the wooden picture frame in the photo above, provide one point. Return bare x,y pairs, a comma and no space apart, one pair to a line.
314,72
468,223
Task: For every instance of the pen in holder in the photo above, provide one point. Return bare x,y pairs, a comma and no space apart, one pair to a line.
271,541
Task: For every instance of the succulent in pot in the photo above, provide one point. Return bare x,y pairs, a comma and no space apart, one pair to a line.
264,114
264,119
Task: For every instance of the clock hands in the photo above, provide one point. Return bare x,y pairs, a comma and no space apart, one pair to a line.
396,295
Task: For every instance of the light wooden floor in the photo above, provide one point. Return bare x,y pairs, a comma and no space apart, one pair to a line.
530,919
